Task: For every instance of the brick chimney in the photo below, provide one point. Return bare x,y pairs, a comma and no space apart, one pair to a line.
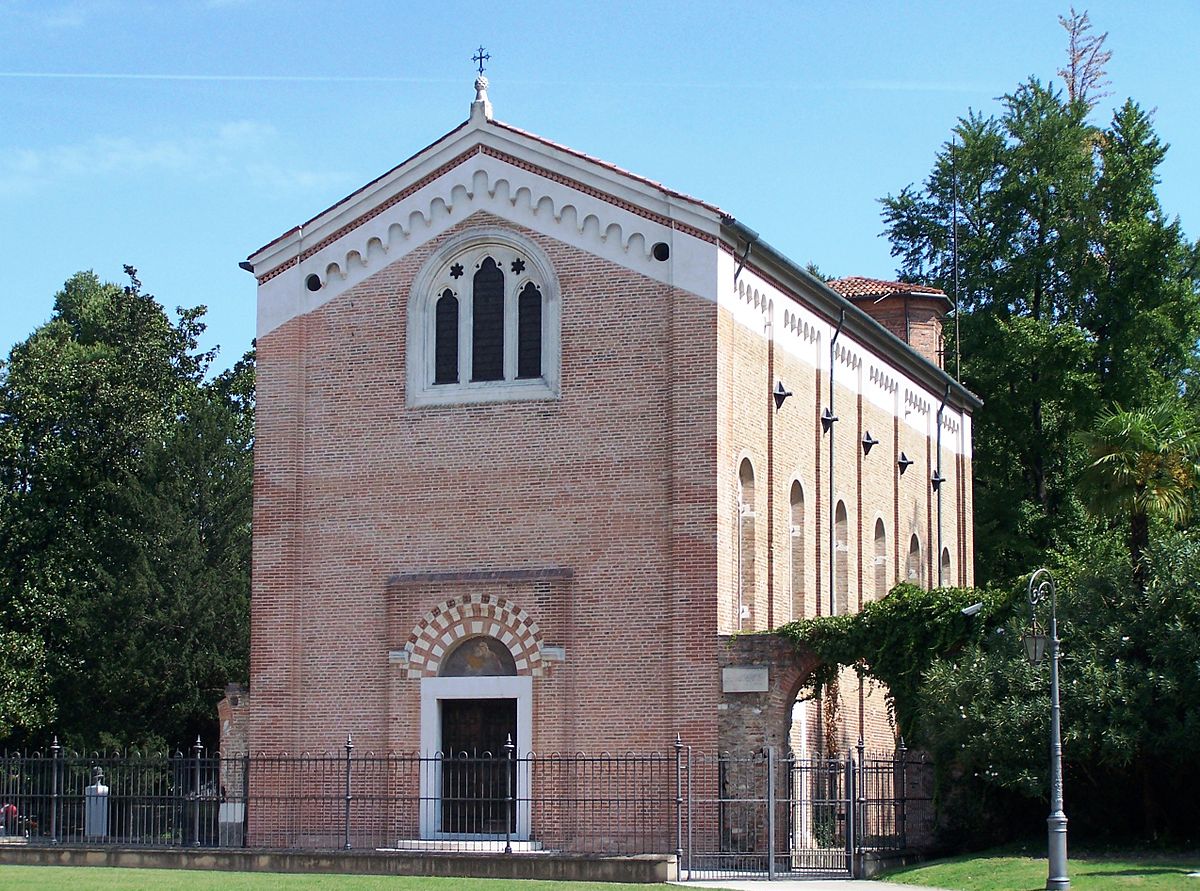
911,312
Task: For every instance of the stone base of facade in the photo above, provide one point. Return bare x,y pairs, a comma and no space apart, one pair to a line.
640,869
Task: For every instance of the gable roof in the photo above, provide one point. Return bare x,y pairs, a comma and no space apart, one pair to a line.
606,181
574,168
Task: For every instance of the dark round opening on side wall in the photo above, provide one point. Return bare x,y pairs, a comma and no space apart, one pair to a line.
313,282
661,251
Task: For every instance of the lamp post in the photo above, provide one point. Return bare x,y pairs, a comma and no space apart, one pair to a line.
1041,585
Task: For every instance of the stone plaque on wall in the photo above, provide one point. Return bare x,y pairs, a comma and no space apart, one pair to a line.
744,679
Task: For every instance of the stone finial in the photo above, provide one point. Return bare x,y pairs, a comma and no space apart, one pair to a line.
482,106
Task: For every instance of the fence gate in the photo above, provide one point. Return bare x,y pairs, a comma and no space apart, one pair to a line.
821,828
761,816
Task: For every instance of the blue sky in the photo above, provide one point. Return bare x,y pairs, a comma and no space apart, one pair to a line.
178,137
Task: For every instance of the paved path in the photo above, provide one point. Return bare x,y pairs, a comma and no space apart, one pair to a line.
805,885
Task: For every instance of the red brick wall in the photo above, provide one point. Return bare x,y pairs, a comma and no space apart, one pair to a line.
614,481
608,515
788,444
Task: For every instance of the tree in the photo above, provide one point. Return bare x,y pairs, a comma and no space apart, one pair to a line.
1084,74
962,690
1025,184
1145,467
124,516
1076,291
1142,308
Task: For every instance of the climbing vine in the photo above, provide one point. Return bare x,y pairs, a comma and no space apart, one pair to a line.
897,639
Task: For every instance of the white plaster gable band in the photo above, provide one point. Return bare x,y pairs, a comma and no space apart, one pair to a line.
491,184
847,356
915,400
798,326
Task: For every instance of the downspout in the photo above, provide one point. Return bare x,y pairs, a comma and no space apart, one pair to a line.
832,421
938,473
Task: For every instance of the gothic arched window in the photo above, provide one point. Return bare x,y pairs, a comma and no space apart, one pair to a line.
483,322
487,322
446,337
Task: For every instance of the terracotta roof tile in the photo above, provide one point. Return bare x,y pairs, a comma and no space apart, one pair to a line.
854,286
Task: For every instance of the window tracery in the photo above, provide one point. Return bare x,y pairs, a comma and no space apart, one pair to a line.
483,322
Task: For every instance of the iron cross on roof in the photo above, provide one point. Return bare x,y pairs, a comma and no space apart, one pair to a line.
480,57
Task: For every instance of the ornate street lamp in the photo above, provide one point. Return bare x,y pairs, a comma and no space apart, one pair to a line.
1041,585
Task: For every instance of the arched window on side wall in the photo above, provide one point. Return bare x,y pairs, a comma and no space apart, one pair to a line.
841,564
912,567
880,562
798,569
746,550
945,573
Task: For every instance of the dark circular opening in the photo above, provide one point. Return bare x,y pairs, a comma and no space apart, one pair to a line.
661,251
313,282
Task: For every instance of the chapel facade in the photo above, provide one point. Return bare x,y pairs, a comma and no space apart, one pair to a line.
540,440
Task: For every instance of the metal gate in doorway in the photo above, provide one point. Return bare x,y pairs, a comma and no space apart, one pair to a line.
769,816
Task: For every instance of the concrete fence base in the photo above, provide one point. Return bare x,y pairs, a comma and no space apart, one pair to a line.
641,868
871,863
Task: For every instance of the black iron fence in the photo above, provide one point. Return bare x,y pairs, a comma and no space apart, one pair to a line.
763,813
767,814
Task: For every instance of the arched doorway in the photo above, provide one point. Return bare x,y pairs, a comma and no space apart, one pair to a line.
471,712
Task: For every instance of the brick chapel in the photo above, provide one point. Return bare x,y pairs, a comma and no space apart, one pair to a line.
539,440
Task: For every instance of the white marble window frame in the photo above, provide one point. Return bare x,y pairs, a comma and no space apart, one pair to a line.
469,248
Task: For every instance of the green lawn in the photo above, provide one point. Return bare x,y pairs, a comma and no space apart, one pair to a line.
1020,872
99,878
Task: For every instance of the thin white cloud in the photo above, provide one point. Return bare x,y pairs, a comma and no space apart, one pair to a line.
283,78
882,85
56,16
234,148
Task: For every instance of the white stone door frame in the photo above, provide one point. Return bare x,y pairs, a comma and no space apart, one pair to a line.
433,692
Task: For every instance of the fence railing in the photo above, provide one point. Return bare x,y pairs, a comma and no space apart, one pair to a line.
723,814
764,814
